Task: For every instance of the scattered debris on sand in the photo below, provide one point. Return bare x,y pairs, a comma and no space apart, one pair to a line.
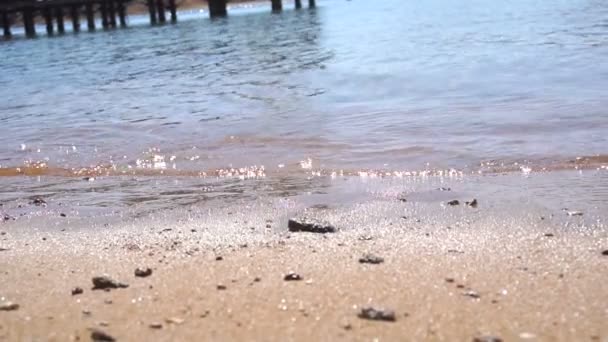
472,204
487,339
472,294
143,272
371,259
105,282
373,314
9,306
311,225
292,276
453,202
175,320
575,213
101,336
38,201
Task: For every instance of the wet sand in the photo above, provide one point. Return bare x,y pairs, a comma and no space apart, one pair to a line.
516,267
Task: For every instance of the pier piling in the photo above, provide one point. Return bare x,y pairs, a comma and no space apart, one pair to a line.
217,8
160,8
59,18
103,8
122,13
112,13
277,5
48,20
298,4
28,22
152,10
6,25
90,16
173,10
312,3
75,15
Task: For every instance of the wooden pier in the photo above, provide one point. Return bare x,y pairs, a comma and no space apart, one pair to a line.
111,13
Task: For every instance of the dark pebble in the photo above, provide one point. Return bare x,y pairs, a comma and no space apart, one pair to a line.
38,201
77,291
63,215
377,314
101,336
105,282
449,280
222,287
257,279
9,306
605,252
487,339
155,325
310,225
219,258
473,203
291,276
371,259
549,235
143,272
453,202
472,294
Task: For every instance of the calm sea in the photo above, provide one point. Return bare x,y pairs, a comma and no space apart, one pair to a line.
353,85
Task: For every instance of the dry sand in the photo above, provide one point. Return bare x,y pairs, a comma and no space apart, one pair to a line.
510,268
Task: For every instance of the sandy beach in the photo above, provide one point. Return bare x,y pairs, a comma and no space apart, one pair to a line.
516,267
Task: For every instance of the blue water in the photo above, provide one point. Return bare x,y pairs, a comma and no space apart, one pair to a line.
393,84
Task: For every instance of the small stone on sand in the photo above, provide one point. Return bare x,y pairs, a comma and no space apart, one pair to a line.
473,203
155,325
9,306
311,225
101,336
453,202
292,276
174,320
105,282
371,259
143,272
77,290
377,314
487,339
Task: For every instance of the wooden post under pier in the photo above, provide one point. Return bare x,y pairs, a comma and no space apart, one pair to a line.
112,13
90,16
160,8
122,13
75,15
298,4
173,10
103,8
277,5
28,22
48,20
312,3
6,25
217,8
59,17
152,9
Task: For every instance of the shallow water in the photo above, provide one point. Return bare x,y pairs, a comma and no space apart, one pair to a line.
352,85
